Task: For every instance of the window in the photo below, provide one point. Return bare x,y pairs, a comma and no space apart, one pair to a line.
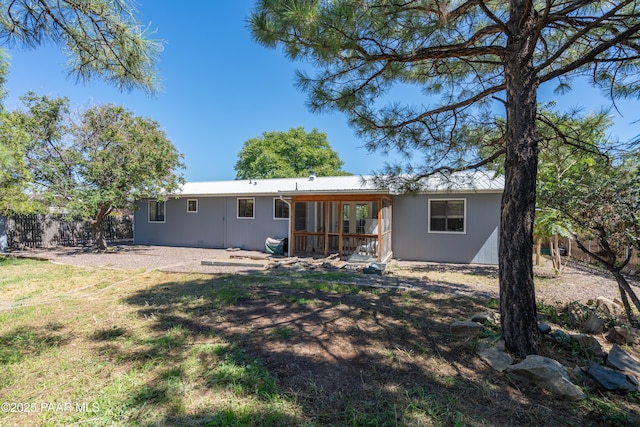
447,216
192,205
156,211
280,209
245,208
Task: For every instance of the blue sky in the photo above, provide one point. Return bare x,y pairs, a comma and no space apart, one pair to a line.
221,88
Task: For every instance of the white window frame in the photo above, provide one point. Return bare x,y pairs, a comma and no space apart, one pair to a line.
464,218
276,218
253,199
192,200
164,212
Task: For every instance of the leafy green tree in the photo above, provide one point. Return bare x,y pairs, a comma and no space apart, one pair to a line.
585,190
102,162
550,224
101,38
290,154
475,61
14,174
565,140
601,198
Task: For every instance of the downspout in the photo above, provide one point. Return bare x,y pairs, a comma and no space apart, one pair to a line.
290,243
225,223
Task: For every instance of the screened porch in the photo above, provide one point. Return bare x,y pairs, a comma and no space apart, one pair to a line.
356,227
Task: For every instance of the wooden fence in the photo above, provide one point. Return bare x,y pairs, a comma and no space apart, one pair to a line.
593,246
44,231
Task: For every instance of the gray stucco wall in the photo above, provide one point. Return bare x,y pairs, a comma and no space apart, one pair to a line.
479,244
215,225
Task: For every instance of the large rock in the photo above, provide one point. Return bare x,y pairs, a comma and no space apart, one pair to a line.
608,307
544,328
590,344
560,336
576,313
493,352
616,335
486,317
548,374
465,329
611,380
593,325
623,335
622,361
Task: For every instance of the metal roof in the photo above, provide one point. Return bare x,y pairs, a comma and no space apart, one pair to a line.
333,184
467,181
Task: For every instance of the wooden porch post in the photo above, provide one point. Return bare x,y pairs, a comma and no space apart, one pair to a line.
326,229
340,219
292,221
380,222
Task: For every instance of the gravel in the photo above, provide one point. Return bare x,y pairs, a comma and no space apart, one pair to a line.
161,258
576,283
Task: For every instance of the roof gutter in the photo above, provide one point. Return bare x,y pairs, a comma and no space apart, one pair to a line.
331,192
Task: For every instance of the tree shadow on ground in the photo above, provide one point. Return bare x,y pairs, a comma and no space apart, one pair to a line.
341,354
24,342
485,270
596,270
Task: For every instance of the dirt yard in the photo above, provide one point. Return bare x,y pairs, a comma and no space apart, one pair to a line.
576,283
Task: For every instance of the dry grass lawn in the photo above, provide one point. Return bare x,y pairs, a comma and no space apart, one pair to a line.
95,346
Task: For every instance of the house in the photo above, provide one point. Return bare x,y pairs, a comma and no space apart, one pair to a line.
455,221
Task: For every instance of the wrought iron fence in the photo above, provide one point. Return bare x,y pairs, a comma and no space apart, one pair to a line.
39,230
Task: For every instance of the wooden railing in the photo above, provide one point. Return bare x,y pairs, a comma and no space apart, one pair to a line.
308,242
362,244
315,243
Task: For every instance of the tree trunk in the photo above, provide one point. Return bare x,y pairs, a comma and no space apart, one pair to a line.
608,260
96,226
557,258
538,250
552,254
517,295
623,285
627,308
98,233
